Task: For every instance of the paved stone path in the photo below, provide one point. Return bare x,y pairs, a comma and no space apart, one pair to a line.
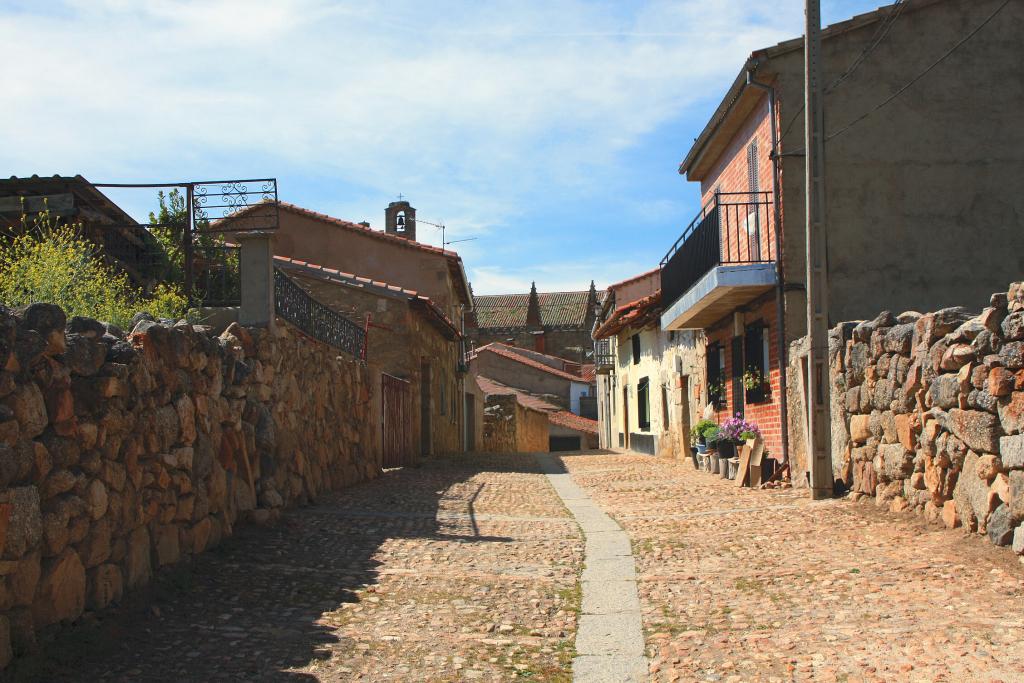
610,640
743,585
472,569
462,569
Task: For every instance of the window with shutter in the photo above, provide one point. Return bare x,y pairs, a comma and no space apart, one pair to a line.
643,404
754,215
755,363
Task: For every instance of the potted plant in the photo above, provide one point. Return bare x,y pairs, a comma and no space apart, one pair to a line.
716,393
752,379
698,435
712,436
735,431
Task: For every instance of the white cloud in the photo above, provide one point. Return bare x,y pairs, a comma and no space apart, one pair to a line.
472,109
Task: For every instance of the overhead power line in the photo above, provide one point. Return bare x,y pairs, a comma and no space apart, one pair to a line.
919,76
881,31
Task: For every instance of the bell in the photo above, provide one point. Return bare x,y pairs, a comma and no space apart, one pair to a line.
401,221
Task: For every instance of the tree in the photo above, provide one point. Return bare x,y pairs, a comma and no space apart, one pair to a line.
215,265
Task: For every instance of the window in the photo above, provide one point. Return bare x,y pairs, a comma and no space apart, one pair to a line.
716,375
753,215
643,404
636,348
755,362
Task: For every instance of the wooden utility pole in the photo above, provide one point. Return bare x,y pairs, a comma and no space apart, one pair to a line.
820,437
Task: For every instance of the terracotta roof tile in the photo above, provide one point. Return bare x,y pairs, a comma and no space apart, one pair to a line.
635,313
557,309
507,352
448,327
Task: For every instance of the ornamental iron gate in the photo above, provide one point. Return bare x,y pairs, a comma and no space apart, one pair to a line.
396,419
195,249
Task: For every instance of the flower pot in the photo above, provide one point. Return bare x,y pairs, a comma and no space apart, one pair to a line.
714,463
693,457
734,467
702,447
726,449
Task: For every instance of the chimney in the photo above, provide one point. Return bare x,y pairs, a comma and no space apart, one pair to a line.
400,220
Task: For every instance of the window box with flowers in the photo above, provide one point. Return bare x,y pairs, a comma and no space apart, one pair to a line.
755,385
717,394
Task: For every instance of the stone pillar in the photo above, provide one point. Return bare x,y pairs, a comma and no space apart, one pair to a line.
257,265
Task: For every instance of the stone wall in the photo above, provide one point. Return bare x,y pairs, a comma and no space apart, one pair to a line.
119,455
928,414
510,427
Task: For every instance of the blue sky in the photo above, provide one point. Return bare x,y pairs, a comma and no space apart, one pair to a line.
549,131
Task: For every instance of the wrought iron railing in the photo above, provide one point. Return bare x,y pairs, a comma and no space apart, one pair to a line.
734,228
604,359
296,306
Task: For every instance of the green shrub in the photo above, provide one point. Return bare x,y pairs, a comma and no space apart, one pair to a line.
53,263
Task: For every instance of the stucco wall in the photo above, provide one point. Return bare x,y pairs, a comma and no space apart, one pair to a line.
658,355
315,241
514,374
940,167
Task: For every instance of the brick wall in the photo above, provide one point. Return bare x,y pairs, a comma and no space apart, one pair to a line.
767,413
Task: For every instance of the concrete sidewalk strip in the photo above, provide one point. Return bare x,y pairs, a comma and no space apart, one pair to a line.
610,569
609,669
610,597
610,634
605,544
609,639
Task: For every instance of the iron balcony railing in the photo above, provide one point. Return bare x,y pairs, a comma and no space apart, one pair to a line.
318,321
604,360
734,228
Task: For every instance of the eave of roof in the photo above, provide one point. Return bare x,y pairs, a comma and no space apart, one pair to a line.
504,351
757,59
556,414
455,265
639,313
419,302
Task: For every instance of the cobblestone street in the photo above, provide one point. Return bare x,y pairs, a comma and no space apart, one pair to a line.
437,573
468,569
742,585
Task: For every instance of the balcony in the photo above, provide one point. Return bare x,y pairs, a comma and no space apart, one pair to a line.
724,259
604,359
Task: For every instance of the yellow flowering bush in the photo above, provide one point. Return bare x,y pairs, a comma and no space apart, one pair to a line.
54,264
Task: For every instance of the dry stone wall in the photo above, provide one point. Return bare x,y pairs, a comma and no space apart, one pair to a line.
121,454
510,427
928,414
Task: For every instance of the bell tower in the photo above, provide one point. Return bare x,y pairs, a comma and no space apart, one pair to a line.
400,220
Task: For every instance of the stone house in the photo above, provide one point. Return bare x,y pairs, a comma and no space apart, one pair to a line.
649,382
565,431
554,323
557,380
930,170
392,255
410,338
